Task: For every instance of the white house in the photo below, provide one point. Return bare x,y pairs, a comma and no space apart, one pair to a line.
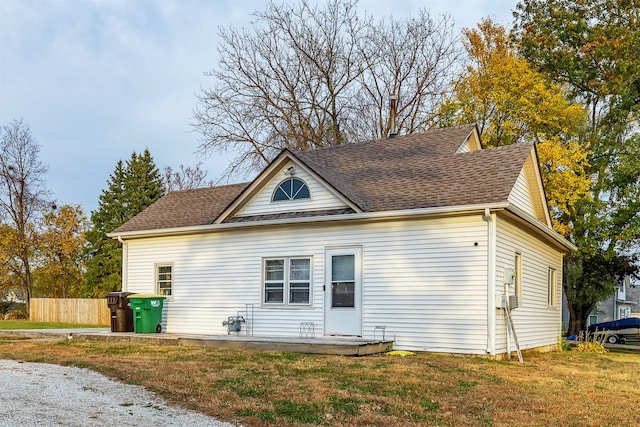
420,235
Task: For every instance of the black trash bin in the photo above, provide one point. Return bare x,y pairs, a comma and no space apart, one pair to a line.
121,313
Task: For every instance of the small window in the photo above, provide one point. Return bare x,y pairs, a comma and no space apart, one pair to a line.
164,278
291,189
287,281
518,277
551,288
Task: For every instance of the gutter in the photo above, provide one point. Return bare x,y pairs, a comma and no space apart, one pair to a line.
364,216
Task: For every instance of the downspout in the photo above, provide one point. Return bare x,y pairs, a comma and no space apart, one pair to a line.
125,263
491,281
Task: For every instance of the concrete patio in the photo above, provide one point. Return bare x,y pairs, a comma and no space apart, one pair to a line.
323,345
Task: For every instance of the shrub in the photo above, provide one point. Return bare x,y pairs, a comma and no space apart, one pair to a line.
591,343
591,347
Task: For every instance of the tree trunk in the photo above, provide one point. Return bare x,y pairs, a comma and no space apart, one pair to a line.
577,321
27,284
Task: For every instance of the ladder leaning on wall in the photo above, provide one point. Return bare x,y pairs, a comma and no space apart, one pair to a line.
512,329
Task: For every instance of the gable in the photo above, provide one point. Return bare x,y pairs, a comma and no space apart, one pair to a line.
471,143
527,193
320,197
256,202
521,195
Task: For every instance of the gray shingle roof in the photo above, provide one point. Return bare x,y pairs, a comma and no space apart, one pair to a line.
184,208
408,172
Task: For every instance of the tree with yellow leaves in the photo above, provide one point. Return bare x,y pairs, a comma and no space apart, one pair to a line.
62,242
511,103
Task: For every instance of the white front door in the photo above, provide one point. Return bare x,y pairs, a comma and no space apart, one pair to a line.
343,291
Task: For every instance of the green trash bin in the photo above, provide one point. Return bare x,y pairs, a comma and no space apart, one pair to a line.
147,313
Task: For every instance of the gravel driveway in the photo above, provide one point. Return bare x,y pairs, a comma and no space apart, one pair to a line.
36,394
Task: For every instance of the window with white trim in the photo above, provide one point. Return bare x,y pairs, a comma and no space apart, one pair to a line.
518,277
291,189
164,279
551,287
287,281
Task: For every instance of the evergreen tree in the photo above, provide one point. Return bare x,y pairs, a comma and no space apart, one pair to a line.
143,183
131,188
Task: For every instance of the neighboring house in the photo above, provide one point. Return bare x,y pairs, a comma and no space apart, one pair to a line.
621,305
633,294
419,235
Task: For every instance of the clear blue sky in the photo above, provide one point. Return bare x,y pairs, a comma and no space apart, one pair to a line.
96,80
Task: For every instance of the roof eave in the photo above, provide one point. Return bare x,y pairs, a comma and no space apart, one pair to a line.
358,216
542,228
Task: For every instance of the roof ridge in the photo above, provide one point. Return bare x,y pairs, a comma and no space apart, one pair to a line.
378,140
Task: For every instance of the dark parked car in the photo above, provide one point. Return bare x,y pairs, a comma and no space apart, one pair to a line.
617,331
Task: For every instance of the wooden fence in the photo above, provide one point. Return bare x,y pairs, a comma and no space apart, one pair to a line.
70,310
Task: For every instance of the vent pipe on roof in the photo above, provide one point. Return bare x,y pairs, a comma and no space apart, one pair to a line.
393,112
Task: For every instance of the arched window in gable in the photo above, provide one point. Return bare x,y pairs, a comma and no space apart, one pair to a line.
291,189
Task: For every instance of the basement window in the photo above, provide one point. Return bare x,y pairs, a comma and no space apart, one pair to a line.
291,189
287,281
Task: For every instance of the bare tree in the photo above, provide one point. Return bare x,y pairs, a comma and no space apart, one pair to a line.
306,77
185,178
22,197
415,60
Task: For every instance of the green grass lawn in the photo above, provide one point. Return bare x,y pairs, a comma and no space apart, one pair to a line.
25,324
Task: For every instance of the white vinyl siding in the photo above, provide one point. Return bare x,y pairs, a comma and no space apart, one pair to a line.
321,197
464,148
425,280
537,324
521,195
470,144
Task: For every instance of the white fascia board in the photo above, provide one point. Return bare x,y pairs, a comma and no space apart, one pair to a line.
364,216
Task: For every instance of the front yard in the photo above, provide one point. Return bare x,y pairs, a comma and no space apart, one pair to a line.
261,388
